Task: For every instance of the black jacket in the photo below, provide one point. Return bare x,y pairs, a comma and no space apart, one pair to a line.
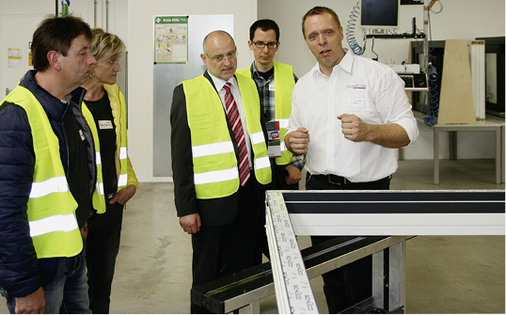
21,273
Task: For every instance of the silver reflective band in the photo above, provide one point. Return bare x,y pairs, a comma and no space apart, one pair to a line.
122,180
98,158
216,176
56,223
283,123
122,153
212,149
257,138
262,162
100,188
49,186
283,146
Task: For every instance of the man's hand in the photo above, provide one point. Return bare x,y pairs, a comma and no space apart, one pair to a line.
190,223
297,141
390,136
354,128
123,195
294,175
34,303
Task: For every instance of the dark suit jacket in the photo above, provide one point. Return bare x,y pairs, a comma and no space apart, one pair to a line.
213,212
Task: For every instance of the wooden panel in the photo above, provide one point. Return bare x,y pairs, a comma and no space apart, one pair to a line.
456,105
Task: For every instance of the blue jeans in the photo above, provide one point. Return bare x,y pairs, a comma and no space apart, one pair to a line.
67,291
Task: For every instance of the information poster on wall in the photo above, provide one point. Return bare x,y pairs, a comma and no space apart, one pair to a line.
171,39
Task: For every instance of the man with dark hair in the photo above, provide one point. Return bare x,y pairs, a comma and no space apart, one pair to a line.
48,175
219,162
275,82
356,112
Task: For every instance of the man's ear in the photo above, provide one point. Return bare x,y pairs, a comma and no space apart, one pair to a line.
204,59
54,59
250,45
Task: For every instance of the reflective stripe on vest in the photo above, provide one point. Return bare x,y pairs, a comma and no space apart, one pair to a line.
50,208
49,186
214,161
61,223
212,149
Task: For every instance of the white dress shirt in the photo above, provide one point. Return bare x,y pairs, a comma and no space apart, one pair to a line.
359,86
236,93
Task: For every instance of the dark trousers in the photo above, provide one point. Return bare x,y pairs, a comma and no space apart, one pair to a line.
279,174
102,246
222,250
352,283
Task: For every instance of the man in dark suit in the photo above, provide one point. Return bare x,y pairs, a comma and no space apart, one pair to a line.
220,163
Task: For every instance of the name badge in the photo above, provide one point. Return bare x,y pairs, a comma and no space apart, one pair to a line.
105,124
273,139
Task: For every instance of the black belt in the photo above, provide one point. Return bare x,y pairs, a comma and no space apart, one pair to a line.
333,179
339,180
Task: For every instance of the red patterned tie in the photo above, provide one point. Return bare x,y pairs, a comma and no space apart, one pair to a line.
235,123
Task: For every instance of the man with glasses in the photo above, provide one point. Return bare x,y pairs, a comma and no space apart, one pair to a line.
220,163
275,82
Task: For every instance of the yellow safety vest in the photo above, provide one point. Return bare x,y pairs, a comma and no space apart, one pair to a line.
216,174
119,113
283,85
50,209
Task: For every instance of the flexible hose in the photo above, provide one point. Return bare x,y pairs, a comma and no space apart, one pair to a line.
350,31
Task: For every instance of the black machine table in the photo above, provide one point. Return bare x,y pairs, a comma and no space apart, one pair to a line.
376,223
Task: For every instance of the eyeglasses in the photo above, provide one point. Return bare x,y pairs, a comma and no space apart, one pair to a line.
220,58
262,45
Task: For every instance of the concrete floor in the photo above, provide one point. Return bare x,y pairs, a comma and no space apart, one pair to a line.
445,274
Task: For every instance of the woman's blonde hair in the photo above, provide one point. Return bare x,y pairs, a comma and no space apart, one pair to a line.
105,45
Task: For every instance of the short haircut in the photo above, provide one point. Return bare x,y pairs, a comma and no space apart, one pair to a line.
264,25
212,34
319,11
106,45
56,33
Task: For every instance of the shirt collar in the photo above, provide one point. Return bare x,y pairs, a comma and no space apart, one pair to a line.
256,73
346,64
219,83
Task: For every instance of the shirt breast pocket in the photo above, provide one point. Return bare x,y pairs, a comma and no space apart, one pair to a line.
357,101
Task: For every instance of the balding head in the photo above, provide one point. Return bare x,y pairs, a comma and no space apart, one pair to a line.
214,36
220,54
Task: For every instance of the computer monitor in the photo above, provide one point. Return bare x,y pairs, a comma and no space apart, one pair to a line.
379,14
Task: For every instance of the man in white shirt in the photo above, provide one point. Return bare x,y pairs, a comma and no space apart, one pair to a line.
355,112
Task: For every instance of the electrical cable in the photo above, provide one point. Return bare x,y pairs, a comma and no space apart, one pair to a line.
372,50
350,31
440,6
431,118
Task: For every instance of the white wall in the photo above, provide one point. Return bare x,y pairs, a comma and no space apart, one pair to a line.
140,63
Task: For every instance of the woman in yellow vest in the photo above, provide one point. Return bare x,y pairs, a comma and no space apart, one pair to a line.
105,112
